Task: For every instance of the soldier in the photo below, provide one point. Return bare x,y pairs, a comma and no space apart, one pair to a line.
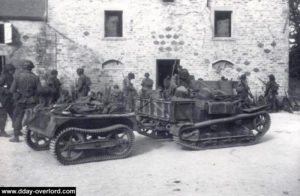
147,85
6,101
54,85
116,94
83,84
184,78
44,94
167,90
129,92
115,103
271,93
25,86
243,91
6,80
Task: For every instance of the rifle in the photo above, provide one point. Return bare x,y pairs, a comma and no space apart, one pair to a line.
262,81
250,94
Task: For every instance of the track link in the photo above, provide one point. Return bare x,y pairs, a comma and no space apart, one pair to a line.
101,155
261,125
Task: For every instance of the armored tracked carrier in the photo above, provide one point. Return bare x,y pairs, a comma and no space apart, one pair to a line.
80,137
202,123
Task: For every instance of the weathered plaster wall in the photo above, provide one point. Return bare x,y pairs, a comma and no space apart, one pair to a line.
181,30
32,41
156,30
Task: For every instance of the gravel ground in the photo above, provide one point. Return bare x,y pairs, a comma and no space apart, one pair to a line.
269,168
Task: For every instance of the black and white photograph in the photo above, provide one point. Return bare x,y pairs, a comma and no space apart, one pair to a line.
153,97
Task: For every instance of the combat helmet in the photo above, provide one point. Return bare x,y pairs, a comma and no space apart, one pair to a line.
131,75
28,65
272,77
243,77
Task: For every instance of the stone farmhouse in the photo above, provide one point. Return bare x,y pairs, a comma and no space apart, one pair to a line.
110,38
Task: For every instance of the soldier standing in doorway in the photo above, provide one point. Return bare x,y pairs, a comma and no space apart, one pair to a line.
25,86
83,84
6,101
129,92
271,93
243,91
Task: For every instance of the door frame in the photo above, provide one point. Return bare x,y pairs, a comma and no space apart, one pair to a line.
156,67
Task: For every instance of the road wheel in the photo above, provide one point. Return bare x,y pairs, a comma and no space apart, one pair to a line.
36,141
262,124
124,138
62,146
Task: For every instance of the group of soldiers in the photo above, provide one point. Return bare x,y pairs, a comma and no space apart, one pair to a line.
270,95
23,90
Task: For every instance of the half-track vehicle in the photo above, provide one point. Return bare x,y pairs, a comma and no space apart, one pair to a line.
196,123
78,134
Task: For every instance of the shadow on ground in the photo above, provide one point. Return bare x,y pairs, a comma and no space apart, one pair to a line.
145,144
265,138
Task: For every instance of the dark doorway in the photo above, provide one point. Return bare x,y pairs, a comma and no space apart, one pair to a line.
2,63
164,68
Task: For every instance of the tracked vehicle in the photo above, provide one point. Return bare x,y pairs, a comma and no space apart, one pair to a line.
202,123
87,136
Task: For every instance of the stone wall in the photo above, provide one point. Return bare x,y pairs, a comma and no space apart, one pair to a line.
155,30
32,41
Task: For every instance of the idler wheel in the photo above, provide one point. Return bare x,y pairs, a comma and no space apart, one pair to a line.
62,146
124,138
36,141
262,123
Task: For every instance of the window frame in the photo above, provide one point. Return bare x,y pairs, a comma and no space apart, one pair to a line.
232,25
7,33
122,24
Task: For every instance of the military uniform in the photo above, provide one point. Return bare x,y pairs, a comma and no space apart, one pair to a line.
184,78
54,86
243,92
6,101
6,81
83,85
25,85
129,92
167,89
147,85
116,101
271,93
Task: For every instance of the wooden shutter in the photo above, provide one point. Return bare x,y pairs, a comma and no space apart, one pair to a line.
7,33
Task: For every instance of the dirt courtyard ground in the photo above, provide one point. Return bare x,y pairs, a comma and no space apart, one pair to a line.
269,168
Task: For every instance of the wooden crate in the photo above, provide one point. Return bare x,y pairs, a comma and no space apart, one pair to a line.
172,111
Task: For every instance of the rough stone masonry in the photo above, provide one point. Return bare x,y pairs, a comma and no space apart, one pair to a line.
74,36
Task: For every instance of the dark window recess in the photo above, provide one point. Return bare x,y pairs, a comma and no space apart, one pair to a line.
2,34
113,24
168,0
223,23
2,63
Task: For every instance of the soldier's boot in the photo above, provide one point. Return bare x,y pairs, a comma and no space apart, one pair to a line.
14,139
